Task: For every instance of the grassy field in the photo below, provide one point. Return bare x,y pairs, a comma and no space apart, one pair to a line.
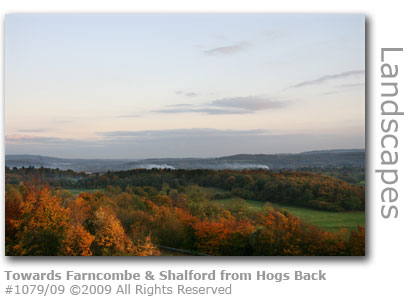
329,221
326,220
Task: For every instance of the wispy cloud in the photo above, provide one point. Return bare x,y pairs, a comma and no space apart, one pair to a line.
180,105
234,105
129,136
330,77
17,138
249,103
227,50
204,110
186,93
180,133
27,142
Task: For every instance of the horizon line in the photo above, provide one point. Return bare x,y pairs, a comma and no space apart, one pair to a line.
214,157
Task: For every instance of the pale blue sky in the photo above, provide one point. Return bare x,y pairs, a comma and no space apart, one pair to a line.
183,85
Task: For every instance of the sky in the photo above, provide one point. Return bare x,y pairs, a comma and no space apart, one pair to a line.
183,85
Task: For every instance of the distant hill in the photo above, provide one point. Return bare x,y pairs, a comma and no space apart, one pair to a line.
323,159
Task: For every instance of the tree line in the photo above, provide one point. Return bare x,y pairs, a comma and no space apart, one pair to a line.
305,189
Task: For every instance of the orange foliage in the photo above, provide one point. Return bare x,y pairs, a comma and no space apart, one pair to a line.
79,210
42,225
223,237
14,209
38,223
113,240
77,241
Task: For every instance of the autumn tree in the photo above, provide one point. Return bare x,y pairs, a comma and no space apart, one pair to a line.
111,239
14,209
77,241
43,223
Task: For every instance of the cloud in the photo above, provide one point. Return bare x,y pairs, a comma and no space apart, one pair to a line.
180,105
227,50
234,105
204,110
328,93
49,141
17,138
186,93
194,132
250,103
330,77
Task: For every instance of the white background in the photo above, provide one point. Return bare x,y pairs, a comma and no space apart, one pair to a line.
383,272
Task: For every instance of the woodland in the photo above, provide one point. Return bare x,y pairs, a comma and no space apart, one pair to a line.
155,212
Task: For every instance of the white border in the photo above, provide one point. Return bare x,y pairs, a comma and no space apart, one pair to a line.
383,272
